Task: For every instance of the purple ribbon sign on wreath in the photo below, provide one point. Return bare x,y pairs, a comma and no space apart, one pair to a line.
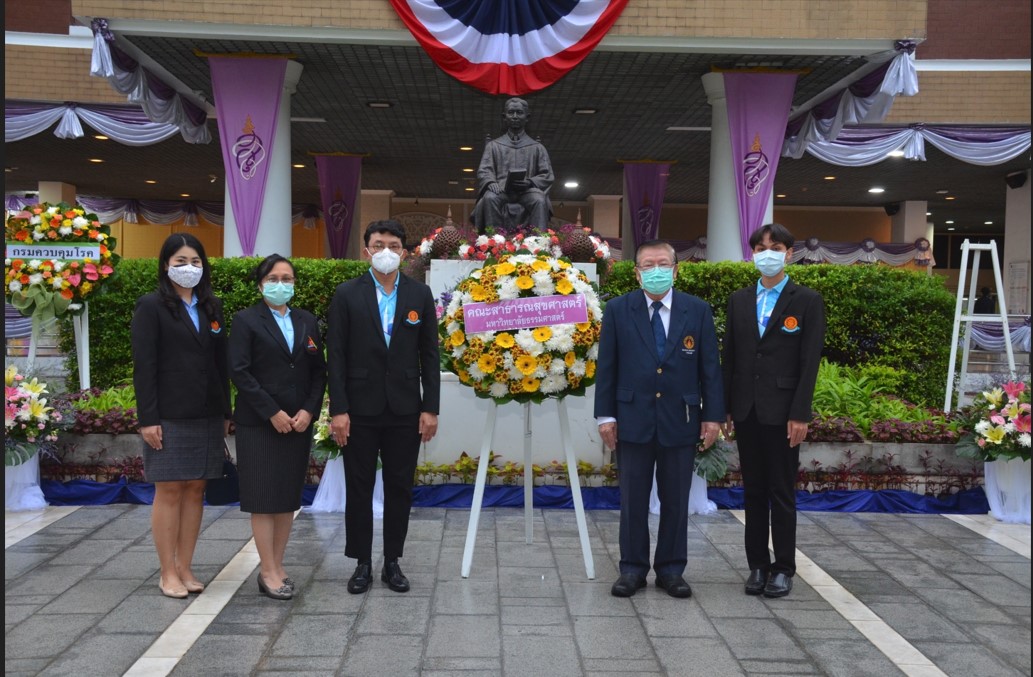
247,101
524,313
758,109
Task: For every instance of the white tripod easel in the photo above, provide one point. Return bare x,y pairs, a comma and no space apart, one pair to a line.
482,476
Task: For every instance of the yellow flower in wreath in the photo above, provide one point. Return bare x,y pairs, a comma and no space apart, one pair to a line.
526,364
505,268
505,340
589,368
542,334
477,292
524,282
457,337
540,265
530,384
569,359
564,286
464,376
487,363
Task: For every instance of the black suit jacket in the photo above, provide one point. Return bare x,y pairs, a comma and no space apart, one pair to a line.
368,378
774,373
269,376
178,371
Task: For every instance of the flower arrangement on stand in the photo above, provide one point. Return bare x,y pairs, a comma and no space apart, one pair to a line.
572,241
323,446
530,364
52,286
30,426
997,424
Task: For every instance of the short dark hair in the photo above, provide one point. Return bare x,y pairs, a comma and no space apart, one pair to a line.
173,243
657,244
985,291
776,231
389,226
266,264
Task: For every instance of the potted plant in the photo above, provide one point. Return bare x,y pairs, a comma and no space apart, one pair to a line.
997,431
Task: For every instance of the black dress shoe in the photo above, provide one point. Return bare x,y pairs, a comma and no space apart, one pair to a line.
778,585
627,585
393,576
361,579
756,582
674,585
280,593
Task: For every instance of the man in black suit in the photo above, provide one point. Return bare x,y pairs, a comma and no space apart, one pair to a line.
658,394
382,346
772,347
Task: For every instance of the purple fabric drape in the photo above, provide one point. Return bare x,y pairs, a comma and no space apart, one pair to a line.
247,101
758,109
645,184
338,189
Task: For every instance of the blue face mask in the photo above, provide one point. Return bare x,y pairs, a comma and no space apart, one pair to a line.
278,293
769,262
657,280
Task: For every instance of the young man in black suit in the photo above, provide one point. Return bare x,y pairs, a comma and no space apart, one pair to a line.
772,347
385,381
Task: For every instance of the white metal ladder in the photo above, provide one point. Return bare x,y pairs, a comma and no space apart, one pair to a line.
968,317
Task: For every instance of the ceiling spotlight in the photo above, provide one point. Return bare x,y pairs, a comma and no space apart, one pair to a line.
928,213
876,190
298,165
570,184
453,183
948,222
212,178
96,160
950,197
780,195
896,153
988,223
465,147
379,104
150,181
942,192
469,189
100,137
830,178
585,111
184,194
950,229
468,170
8,170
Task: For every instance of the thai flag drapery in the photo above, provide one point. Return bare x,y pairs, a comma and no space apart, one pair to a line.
508,46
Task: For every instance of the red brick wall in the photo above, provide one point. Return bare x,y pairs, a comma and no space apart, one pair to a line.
38,16
963,29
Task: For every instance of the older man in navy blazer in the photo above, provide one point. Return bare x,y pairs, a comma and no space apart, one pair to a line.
658,384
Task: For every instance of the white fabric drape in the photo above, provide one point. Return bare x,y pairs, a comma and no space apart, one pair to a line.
18,126
21,486
331,494
699,504
1007,486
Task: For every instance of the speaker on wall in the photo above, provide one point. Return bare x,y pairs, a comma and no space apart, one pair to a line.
1016,179
892,208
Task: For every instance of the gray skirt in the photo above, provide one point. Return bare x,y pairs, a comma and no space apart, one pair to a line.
192,449
272,468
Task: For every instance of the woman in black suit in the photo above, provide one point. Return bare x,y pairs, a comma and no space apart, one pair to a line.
181,377
278,367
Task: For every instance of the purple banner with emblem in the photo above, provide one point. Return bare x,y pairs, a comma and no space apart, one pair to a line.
247,101
525,313
758,109
644,184
339,189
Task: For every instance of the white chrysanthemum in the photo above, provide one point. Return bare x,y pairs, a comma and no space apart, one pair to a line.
7,262
498,389
475,372
486,336
100,237
553,384
458,351
525,339
35,220
466,297
481,240
543,285
453,305
80,222
580,286
557,367
464,251
593,352
1024,439
35,263
59,266
982,427
514,373
74,306
1009,427
51,211
508,289
523,258
56,282
425,247
15,285
565,344
452,327
35,278
36,235
578,368
64,230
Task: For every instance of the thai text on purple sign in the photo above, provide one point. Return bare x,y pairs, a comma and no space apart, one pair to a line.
525,313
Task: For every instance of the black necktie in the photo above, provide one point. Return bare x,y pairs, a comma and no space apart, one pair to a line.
658,329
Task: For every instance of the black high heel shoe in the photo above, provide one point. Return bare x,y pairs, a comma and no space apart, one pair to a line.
281,593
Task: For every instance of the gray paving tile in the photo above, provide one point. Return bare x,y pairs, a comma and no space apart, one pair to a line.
452,665
91,596
1010,642
46,636
529,582
995,589
397,615
759,639
962,606
839,658
632,666
539,656
466,597
383,655
296,665
594,599
24,667
612,638
47,580
463,637
315,635
222,655
141,614
17,563
699,656
966,659
918,622
100,653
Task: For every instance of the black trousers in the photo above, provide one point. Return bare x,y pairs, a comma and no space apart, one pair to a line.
396,440
635,468
769,467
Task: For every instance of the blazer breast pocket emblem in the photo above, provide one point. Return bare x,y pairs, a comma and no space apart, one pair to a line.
215,327
412,318
689,342
790,325
310,345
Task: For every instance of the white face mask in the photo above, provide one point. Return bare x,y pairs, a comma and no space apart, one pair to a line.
769,262
385,261
186,275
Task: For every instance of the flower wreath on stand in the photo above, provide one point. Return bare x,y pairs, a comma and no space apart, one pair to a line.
45,287
525,365
29,424
997,424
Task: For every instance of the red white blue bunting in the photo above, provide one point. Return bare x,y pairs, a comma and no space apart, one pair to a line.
508,46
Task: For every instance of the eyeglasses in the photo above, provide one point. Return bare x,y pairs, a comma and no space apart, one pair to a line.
272,279
380,246
661,266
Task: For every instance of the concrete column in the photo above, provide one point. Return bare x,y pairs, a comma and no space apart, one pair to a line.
374,205
604,214
53,192
910,223
1015,266
723,205
274,223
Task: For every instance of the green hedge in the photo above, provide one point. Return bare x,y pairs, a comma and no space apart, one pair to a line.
876,315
